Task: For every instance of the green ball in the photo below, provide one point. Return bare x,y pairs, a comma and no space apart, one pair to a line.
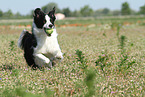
49,31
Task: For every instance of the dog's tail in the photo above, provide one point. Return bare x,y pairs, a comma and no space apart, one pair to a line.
22,38
27,42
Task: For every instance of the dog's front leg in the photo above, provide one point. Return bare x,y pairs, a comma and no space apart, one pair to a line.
42,61
59,56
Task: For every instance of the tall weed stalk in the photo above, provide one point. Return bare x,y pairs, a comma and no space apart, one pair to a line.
90,74
124,62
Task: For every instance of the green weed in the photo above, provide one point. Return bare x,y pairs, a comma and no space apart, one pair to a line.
103,61
90,73
124,62
89,80
81,58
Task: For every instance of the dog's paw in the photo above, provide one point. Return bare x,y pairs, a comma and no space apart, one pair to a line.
59,56
48,64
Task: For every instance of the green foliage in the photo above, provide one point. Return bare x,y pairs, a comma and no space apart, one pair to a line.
18,15
1,13
121,39
15,72
66,12
142,9
8,13
89,80
125,10
76,13
103,61
90,74
20,92
48,92
118,29
124,62
12,45
116,12
122,42
105,11
81,58
50,6
86,11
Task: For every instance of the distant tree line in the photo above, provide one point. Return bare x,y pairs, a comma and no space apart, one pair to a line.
85,11
10,14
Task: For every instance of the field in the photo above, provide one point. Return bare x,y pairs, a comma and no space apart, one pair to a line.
102,57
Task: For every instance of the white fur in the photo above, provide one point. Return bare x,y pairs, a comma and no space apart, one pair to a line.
20,38
46,25
47,49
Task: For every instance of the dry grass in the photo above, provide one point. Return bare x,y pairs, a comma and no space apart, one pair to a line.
68,78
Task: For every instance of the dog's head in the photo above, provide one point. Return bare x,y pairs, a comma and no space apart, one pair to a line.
43,20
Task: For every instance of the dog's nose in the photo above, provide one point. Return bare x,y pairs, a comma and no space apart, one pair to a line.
50,25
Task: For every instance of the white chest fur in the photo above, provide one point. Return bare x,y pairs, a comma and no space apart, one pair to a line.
47,46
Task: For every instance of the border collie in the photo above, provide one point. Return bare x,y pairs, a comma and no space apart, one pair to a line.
40,48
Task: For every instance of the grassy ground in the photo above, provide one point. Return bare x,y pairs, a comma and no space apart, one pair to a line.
101,59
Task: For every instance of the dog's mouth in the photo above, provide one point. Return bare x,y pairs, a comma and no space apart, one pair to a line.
48,31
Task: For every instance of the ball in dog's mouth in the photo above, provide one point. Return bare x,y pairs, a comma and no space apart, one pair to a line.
48,31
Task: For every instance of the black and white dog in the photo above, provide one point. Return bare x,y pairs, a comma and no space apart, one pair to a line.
40,48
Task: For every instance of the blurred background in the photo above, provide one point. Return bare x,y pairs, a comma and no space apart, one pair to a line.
16,9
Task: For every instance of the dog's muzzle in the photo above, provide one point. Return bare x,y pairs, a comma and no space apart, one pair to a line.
48,31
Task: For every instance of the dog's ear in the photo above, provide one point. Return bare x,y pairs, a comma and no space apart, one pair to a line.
38,13
51,14
39,17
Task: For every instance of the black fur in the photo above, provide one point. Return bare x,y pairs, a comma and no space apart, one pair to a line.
52,16
39,18
28,43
